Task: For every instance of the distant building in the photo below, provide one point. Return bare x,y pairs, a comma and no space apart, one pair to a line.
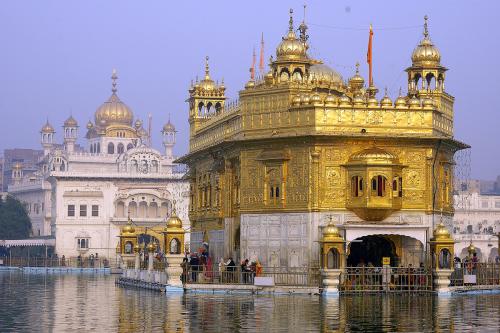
476,221
28,157
82,196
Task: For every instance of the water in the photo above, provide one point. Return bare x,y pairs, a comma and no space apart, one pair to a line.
82,303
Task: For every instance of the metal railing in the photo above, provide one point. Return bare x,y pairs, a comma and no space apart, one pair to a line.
385,279
84,262
475,274
307,277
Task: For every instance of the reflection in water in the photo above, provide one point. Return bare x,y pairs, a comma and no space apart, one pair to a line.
83,302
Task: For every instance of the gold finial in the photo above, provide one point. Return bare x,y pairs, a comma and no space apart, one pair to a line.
173,208
290,22
357,67
207,70
385,89
426,31
400,91
304,19
114,77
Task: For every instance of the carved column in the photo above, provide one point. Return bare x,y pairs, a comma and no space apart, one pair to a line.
315,155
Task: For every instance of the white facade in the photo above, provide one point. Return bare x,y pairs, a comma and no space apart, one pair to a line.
477,221
83,197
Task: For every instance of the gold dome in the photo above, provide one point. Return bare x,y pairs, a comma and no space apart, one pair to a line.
296,100
207,84
356,82
316,99
169,127
386,101
373,155
471,249
428,103
47,128
441,233
330,100
359,101
400,101
426,53
174,222
331,234
321,73
291,48
305,99
414,102
114,111
344,101
128,229
70,122
372,102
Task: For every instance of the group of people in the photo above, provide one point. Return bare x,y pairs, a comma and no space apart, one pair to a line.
470,263
199,268
91,260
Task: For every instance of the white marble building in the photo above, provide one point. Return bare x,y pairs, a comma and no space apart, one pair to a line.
477,220
82,196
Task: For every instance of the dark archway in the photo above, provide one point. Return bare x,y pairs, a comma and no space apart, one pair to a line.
371,249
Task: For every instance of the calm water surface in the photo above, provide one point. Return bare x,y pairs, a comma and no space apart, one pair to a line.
83,303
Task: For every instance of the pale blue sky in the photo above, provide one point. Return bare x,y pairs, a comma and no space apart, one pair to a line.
57,57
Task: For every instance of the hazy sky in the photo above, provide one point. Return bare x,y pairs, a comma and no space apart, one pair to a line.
57,57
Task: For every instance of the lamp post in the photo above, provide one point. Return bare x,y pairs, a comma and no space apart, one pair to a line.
332,245
174,249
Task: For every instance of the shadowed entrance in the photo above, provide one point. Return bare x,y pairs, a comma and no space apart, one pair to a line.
371,249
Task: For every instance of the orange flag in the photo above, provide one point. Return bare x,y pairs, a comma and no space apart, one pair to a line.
369,56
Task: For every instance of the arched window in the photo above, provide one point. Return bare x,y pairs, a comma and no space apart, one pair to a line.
200,108
98,147
397,187
165,209
92,149
378,186
130,146
111,148
132,209
209,107
128,247
469,229
143,206
175,246
297,75
120,209
120,148
444,259
284,75
357,186
154,166
153,210
218,107
430,81
333,259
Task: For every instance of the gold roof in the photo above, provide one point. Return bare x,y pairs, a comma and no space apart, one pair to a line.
47,128
441,233
291,48
174,222
169,127
426,53
331,234
356,82
128,229
114,111
70,122
324,74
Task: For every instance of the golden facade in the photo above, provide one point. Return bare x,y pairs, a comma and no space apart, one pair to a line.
302,140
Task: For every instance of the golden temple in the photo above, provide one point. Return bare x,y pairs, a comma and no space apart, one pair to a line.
302,146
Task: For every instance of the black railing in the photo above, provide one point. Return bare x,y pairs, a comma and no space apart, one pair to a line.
76,262
479,274
385,279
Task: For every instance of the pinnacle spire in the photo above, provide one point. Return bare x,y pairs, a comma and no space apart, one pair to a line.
207,69
290,22
114,77
426,30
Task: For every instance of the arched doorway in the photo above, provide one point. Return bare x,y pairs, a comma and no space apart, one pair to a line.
370,250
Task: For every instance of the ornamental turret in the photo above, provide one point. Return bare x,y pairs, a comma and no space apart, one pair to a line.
70,129
206,98
47,137
168,139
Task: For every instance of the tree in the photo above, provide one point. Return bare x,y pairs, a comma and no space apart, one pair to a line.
14,220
